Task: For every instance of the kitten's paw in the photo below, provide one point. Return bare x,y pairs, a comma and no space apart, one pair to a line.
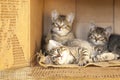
95,59
83,63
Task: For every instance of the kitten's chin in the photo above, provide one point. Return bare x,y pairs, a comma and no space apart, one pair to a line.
62,33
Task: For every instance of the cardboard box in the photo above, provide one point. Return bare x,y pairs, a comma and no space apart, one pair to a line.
24,22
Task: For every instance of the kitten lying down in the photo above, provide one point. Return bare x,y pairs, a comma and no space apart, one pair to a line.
60,54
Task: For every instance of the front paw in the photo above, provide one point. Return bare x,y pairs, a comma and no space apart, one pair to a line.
95,59
83,62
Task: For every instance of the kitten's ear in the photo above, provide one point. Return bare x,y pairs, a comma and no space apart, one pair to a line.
70,18
92,26
53,44
108,30
54,15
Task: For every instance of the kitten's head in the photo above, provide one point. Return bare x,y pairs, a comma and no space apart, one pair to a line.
98,35
60,55
61,24
58,52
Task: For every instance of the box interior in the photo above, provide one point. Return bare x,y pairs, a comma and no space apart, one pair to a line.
101,12
32,22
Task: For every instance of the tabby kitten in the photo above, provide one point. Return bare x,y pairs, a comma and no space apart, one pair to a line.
98,37
68,55
61,30
114,43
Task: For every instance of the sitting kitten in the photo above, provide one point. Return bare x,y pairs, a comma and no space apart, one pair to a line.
61,30
98,37
114,43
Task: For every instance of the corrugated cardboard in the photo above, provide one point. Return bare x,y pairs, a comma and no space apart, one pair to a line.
21,31
14,33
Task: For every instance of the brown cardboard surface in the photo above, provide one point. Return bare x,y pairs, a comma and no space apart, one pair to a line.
21,25
38,73
117,16
99,12
36,20
14,33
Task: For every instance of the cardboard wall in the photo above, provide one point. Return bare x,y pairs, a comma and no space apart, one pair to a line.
14,33
30,20
99,12
36,15
117,16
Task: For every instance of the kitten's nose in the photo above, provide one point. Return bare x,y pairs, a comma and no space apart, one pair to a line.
58,55
96,39
59,28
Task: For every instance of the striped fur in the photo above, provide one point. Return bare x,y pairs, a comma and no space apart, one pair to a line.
80,54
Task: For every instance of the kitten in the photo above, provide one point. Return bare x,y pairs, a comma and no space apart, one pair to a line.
61,29
68,55
59,53
114,43
98,37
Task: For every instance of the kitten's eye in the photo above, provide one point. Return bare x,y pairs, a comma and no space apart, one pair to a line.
56,25
63,48
101,38
67,27
53,23
91,36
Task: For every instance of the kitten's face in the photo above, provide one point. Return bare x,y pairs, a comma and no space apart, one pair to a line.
98,35
61,24
60,55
